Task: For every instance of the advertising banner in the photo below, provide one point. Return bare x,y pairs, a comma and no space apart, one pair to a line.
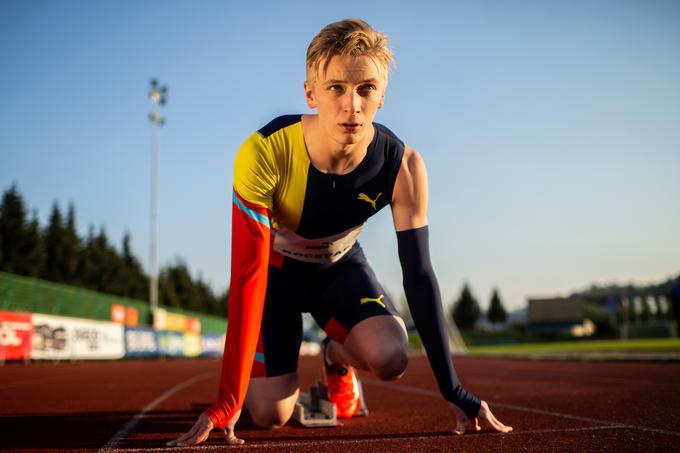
131,317
58,337
212,345
140,342
160,319
192,345
118,313
193,325
15,336
175,322
170,343
165,320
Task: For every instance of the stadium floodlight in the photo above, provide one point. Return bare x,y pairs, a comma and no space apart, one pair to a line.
158,96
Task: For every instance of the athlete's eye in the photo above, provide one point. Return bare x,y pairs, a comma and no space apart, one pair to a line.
335,88
365,90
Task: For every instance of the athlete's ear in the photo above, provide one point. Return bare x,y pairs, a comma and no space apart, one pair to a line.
382,100
311,103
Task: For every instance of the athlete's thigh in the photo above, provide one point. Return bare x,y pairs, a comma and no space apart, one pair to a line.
352,296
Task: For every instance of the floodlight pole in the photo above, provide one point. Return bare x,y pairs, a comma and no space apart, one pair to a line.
158,96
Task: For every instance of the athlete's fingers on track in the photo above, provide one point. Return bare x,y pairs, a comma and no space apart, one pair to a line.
182,438
461,420
197,434
229,433
231,438
490,421
473,425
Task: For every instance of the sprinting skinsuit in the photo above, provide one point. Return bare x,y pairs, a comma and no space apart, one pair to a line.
287,216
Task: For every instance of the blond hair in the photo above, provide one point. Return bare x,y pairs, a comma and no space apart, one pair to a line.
352,37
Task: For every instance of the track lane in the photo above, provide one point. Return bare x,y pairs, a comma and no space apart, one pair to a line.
557,406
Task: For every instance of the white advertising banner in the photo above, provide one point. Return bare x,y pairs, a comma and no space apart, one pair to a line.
59,337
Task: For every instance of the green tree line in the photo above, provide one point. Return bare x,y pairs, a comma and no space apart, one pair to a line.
58,254
466,312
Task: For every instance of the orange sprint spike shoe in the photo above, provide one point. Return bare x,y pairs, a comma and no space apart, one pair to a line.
343,388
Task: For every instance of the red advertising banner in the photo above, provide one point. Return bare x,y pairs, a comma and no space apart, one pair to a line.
16,330
131,317
193,325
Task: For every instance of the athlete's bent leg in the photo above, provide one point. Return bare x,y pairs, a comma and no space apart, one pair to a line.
378,344
271,400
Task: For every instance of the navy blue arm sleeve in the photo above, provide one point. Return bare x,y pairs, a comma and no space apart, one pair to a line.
424,302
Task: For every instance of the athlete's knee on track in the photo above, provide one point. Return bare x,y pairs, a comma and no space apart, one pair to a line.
389,363
269,416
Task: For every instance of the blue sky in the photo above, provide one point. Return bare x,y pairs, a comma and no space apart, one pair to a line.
551,130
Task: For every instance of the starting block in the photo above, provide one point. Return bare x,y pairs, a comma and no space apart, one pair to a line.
313,410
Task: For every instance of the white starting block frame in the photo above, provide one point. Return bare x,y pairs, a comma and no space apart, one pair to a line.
313,410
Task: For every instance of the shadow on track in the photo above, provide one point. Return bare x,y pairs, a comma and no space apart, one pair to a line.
84,430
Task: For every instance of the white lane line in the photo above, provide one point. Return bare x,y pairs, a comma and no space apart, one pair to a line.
130,425
406,388
333,442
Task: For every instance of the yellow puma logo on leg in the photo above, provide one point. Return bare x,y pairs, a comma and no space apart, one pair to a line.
362,196
365,300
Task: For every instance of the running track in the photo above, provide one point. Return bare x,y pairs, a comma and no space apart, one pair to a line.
553,406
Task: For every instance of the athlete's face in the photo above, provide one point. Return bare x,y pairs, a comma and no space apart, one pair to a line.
347,95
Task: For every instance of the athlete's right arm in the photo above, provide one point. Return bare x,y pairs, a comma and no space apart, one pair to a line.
249,260
254,181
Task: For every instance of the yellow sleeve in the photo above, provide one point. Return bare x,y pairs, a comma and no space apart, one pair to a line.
255,172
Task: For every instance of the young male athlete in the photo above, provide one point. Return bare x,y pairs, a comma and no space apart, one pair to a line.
303,187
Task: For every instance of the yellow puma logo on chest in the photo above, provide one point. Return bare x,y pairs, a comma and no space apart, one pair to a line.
365,300
363,197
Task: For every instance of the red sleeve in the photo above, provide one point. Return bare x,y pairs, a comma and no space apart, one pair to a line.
250,236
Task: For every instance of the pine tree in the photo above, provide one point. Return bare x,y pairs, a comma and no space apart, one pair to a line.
496,312
183,287
12,229
21,250
135,284
222,304
32,251
86,260
71,245
54,245
466,310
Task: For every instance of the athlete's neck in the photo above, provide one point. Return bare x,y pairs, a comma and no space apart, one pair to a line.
327,154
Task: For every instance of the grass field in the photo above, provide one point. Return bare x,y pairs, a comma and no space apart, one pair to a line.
595,346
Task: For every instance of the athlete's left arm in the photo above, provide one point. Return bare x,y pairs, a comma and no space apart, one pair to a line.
409,212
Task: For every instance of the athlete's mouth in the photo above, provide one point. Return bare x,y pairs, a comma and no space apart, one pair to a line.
350,127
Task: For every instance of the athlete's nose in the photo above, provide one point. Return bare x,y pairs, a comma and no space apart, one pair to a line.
352,102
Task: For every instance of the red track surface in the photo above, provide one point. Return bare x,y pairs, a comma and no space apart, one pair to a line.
553,406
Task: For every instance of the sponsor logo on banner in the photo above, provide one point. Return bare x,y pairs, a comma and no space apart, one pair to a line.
192,345
131,317
15,336
58,337
193,325
140,343
212,344
175,322
170,343
160,319
118,313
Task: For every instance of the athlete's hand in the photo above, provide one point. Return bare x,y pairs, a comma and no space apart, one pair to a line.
485,421
201,430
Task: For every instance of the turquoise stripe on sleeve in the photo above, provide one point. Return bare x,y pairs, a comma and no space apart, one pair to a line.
258,217
259,357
